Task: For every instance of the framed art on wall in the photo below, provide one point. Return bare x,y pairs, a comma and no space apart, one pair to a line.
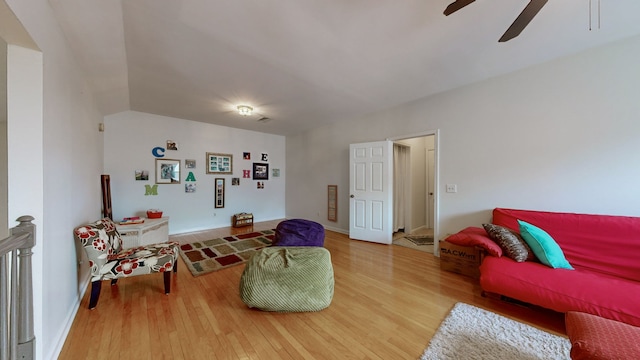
332,202
260,171
219,163
167,171
219,192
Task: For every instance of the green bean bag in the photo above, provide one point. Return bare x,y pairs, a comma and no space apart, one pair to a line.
288,279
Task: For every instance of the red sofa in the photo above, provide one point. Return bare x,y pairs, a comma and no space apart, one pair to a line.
604,251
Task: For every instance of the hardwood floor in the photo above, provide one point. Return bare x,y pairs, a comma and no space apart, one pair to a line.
388,303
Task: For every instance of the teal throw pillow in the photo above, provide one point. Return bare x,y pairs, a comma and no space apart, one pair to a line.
542,244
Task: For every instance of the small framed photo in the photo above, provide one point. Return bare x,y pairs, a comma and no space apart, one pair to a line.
172,145
167,171
219,163
190,187
219,192
260,171
276,172
142,174
246,155
235,181
190,164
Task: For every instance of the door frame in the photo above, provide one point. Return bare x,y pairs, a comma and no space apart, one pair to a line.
436,179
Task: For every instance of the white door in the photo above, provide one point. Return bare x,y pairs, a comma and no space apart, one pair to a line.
371,200
431,171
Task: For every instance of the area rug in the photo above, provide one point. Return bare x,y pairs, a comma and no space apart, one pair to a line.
206,256
420,239
405,242
469,332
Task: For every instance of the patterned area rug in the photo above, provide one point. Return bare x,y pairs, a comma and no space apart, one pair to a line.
471,333
405,242
420,239
206,256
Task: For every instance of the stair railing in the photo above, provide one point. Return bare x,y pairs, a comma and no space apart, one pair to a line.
17,340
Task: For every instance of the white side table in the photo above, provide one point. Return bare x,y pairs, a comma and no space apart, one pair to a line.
151,231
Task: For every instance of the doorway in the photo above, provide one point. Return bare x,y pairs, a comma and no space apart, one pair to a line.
414,203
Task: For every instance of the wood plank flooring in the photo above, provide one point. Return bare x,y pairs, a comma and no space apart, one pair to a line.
388,302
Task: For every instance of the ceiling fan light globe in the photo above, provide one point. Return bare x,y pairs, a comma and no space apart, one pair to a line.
245,110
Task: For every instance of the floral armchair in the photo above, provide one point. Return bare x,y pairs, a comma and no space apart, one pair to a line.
108,260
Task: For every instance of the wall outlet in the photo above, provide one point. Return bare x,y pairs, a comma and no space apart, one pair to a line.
452,188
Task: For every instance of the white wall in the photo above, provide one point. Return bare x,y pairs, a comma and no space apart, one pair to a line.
561,136
130,137
54,168
25,160
4,225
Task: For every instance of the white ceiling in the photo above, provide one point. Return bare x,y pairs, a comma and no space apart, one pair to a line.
305,63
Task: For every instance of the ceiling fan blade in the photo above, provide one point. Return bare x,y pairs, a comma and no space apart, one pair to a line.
457,5
529,12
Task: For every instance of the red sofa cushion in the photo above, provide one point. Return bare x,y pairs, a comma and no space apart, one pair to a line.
596,338
600,243
475,236
562,290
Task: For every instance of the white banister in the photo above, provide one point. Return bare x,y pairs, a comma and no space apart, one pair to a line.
17,340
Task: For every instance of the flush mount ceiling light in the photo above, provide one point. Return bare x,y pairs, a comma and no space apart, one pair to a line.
245,110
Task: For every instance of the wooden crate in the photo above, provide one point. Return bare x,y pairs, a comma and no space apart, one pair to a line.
242,219
463,260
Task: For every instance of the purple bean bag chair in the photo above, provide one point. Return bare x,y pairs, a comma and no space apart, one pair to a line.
299,232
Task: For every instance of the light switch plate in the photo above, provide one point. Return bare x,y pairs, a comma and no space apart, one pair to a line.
452,188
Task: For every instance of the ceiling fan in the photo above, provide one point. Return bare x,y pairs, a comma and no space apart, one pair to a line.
525,17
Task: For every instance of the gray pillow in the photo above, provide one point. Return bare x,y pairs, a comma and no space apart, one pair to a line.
511,243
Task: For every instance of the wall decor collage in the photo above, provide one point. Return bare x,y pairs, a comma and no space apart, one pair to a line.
168,171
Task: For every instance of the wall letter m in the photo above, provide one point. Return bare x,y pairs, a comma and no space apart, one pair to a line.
151,190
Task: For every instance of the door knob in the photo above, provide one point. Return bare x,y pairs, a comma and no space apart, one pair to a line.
352,196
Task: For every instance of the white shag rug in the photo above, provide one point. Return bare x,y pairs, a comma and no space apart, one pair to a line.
470,333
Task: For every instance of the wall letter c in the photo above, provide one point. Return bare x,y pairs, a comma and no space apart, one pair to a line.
158,151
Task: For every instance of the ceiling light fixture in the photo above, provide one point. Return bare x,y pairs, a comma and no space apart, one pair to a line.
245,110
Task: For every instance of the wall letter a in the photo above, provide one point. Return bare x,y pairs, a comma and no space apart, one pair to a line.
151,190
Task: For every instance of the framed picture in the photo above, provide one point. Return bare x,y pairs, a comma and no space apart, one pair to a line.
172,145
332,202
219,163
142,174
167,171
219,192
260,171
190,164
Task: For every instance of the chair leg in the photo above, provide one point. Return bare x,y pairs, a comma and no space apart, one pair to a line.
175,266
113,281
95,294
167,282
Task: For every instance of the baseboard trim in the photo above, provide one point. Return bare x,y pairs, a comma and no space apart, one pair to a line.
341,231
55,352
